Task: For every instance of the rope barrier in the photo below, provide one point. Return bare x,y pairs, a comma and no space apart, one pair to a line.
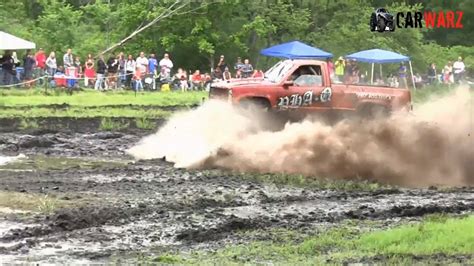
23,83
62,77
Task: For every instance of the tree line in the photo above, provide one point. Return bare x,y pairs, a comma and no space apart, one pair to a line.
205,29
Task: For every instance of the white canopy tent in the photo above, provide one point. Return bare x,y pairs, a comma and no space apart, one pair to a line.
10,42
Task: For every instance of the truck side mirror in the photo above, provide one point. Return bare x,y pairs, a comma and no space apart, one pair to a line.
288,83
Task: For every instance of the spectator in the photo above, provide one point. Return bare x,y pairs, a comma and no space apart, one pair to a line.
78,65
448,73
16,62
330,68
72,73
238,74
247,69
196,80
100,83
221,65
152,64
393,81
207,81
226,75
432,73
348,71
258,73
68,60
402,75
130,67
40,58
217,74
89,72
60,77
458,69
7,68
239,65
340,65
165,67
142,63
137,79
182,80
29,64
112,69
355,72
418,80
121,69
51,64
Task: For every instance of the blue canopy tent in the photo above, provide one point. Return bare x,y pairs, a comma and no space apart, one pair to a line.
295,50
381,57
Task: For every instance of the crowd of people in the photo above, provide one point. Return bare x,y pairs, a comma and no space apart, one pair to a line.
117,71
347,71
144,71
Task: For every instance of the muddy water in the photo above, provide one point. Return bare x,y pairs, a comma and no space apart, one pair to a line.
108,205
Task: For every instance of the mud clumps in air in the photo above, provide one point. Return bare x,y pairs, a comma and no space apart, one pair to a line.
432,146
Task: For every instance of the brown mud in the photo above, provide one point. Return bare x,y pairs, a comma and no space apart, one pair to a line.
69,125
142,206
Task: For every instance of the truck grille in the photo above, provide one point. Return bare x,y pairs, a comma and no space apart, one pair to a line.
218,93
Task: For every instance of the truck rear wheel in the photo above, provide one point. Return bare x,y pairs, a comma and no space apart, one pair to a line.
372,111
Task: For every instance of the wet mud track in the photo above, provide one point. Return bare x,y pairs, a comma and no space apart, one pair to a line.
116,206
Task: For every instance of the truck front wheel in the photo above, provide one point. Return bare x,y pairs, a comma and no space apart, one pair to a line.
260,104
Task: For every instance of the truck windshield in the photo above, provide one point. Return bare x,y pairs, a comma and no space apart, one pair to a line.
278,71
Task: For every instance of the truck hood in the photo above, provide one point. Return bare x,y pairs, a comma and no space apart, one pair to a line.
233,83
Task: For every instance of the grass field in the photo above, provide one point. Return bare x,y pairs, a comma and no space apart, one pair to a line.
81,112
436,236
89,97
121,103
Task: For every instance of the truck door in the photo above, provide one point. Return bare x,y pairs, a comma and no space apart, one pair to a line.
305,89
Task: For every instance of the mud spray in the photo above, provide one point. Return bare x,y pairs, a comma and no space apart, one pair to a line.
433,146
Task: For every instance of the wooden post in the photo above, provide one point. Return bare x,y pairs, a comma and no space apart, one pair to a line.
372,75
412,78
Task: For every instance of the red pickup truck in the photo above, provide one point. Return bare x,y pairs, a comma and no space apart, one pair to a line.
306,86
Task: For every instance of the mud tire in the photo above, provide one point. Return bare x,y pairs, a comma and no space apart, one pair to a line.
381,23
373,111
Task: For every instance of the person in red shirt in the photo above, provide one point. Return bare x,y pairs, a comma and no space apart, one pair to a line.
137,79
257,73
40,58
196,80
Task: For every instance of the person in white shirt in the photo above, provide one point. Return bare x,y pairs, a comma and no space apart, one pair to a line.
165,67
142,63
458,70
130,66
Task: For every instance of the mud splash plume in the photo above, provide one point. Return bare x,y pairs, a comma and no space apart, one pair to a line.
434,146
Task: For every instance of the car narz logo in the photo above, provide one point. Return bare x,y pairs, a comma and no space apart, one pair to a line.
381,20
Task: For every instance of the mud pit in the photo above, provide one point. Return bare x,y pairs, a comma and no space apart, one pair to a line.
107,207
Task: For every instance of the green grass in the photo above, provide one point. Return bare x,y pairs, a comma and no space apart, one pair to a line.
144,123
314,182
34,202
81,112
28,123
450,236
109,124
33,97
